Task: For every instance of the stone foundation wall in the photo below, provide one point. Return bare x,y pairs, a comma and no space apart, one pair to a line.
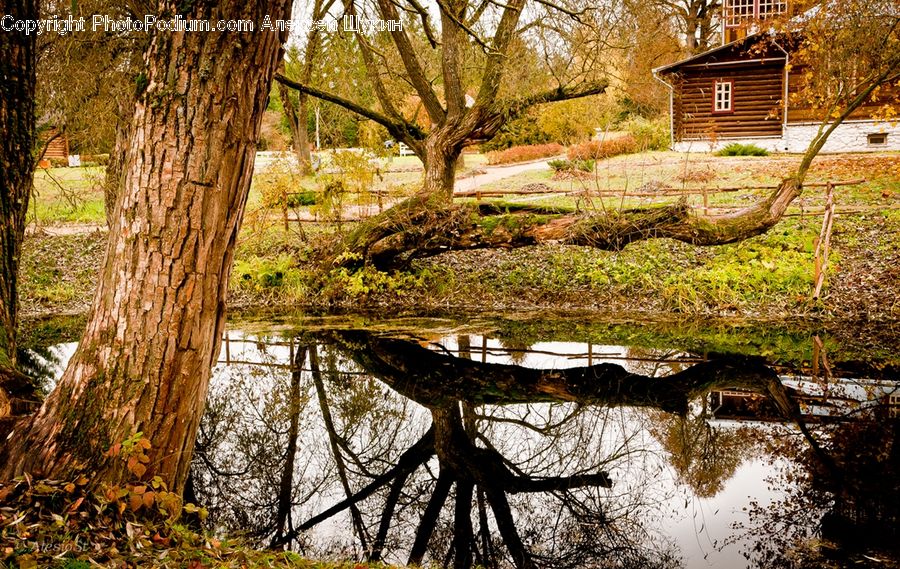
851,136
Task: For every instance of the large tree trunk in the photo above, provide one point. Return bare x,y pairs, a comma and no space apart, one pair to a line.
17,142
440,167
144,361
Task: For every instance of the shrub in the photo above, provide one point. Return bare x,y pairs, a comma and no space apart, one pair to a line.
306,197
572,165
279,187
524,153
737,149
600,149
649,134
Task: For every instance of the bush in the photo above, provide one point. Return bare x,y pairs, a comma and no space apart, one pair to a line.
572,165
279,187
737,149
649,134
304,198
524,153
600,149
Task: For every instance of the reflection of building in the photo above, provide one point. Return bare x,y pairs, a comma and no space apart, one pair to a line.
837,400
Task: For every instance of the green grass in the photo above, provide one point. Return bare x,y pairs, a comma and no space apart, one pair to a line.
72,195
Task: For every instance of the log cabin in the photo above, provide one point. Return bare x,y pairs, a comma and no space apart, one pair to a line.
741,91
57,145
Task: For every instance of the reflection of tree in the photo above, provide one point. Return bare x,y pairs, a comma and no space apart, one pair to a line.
247,445
513,469
557,494
842,505
260,462
40,364
703,457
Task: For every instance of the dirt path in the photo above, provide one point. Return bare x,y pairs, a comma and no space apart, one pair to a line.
492,174
65,229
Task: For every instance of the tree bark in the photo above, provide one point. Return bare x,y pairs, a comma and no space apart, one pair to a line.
144,361
440,167
115,167
17,143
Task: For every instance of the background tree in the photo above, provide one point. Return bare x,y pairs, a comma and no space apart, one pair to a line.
437,65
17,123
143,363
299,63
698,21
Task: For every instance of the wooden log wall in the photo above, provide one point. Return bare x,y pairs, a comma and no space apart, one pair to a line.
757,108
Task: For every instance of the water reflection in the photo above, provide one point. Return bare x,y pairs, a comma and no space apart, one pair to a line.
463,450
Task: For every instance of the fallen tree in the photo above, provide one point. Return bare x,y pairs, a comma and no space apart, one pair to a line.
419,227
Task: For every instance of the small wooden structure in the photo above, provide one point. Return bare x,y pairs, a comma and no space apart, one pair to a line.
57,146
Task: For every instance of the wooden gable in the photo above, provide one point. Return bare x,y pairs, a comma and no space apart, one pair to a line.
751,72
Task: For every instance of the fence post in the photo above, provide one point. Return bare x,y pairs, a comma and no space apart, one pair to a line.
823,243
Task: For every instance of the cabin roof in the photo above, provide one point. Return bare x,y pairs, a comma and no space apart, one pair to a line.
735,52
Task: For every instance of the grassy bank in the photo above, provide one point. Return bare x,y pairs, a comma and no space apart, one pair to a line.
769,276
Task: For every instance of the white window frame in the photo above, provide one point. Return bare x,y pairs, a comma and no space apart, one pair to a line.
723,96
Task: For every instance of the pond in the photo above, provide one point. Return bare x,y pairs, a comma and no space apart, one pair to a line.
550,442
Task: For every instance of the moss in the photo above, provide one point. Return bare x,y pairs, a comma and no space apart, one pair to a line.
140,84
512,223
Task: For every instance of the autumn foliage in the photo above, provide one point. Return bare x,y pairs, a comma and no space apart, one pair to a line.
524,153
600,149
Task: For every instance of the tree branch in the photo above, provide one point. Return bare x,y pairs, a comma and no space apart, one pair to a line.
561,94
430,517
409,461
411,63
400,130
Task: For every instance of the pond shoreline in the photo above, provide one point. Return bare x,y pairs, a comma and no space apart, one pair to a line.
766,279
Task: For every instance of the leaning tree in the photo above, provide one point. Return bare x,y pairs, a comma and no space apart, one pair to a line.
487,49
144,360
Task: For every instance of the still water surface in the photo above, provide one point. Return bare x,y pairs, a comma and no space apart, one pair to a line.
536,444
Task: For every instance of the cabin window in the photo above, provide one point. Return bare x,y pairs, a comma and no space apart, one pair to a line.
740,12
722,96
766,8
877,139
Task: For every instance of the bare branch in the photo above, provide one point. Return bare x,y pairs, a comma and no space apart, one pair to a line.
413,67
426,22
561,94
401,130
